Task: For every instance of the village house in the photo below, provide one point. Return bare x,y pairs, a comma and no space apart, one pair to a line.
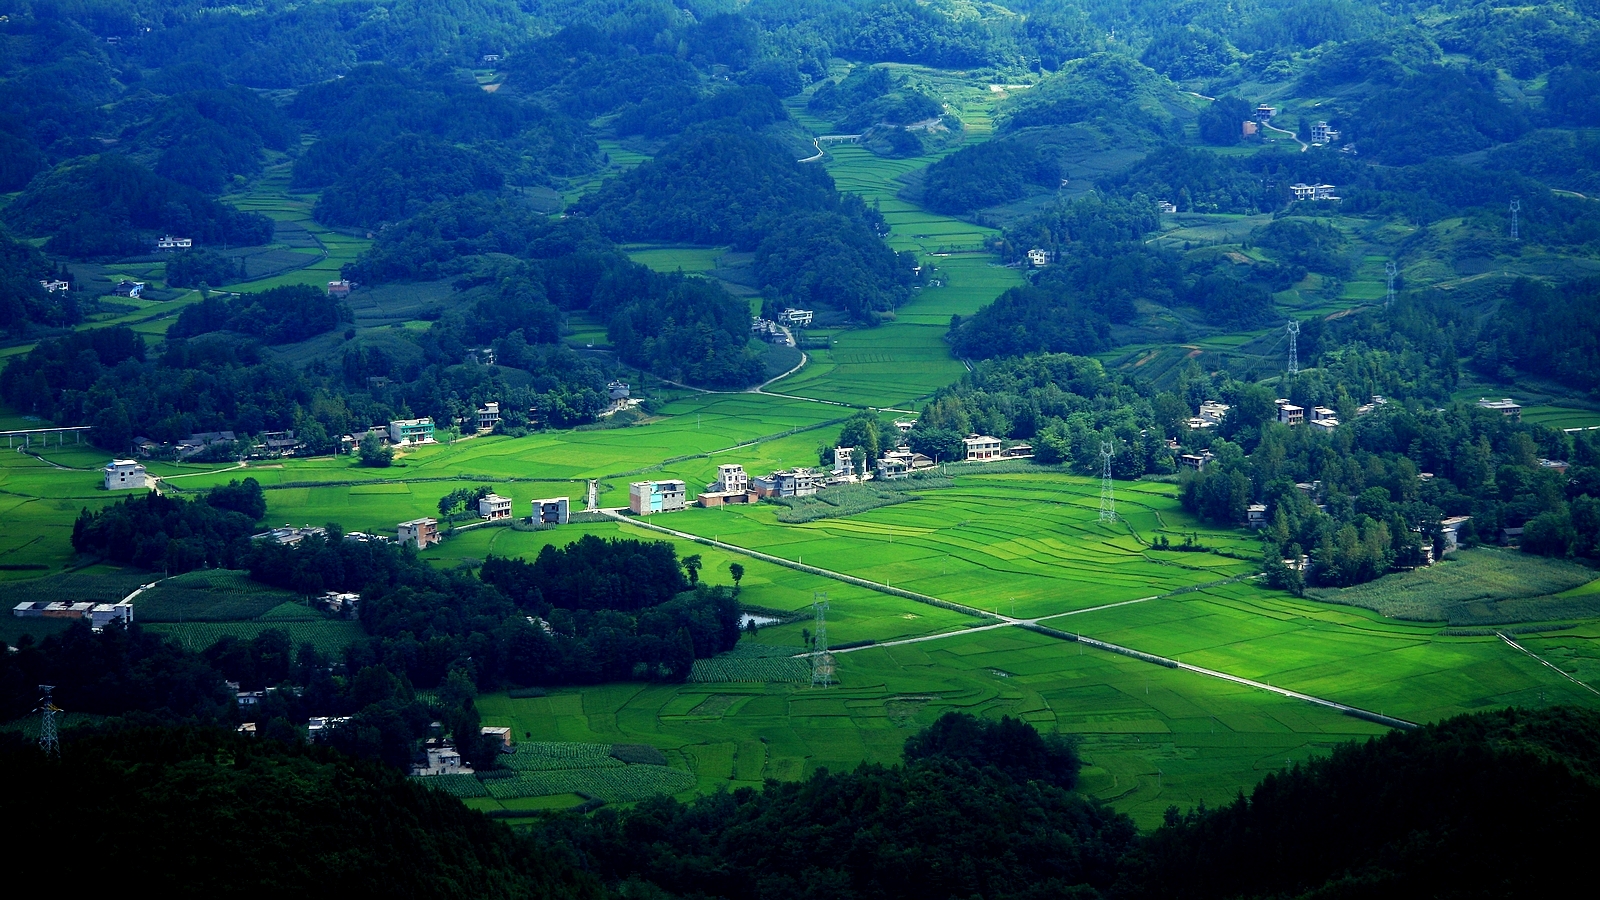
1256,515
339,290
731,478
488,416
1505,407
1303,191
844,461
1291,415
1211,415
54,285
174,243
1196,461
127,288
1038,258
1167,207
980,448
1450,532
796,482
420,533
99,614
551,511
796,318
281,443
319,726
901,462
442,760
1248,129
500,733
124,475
1377,401
411,431
617,390
341,603
1265,112
289,535
650,497
1322,133
494,506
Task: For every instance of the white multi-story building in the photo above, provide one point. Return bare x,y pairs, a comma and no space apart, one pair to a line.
731,478
981,447
494,506
124,475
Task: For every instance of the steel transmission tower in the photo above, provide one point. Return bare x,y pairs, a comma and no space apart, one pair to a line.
1108,502
1516,207
1293,329
594,495
48,742
822,667
1390,269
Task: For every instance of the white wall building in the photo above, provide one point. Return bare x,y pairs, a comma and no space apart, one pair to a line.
124,475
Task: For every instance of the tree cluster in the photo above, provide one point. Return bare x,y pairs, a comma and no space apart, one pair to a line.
280,315
171,534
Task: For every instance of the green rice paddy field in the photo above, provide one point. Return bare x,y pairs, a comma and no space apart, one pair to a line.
1024,544
1152,737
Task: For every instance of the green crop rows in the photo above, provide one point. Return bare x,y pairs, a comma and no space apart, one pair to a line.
456,785
1484,586
208,596
550,755
329,636
614,785
752,662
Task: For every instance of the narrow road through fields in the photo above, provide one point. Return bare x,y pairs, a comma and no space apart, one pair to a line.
1271,127
1560,671
1000,621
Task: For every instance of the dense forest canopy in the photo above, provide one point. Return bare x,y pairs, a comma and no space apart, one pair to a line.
976,806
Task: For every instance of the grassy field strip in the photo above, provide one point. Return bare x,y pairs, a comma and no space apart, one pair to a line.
1563,673
801,567
1008,621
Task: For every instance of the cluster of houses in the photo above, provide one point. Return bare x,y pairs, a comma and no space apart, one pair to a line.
424,532
780,330
735,485
1303,191
99,614
271,444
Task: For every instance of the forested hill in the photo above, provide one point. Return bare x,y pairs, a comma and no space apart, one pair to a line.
977,809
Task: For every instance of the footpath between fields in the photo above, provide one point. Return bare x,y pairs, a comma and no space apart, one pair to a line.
997,620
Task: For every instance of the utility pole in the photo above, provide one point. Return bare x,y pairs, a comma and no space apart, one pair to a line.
822,666
1108,502
48,741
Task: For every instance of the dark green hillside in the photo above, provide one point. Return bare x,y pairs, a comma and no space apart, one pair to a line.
1452,810
107,205
716,186
209,812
